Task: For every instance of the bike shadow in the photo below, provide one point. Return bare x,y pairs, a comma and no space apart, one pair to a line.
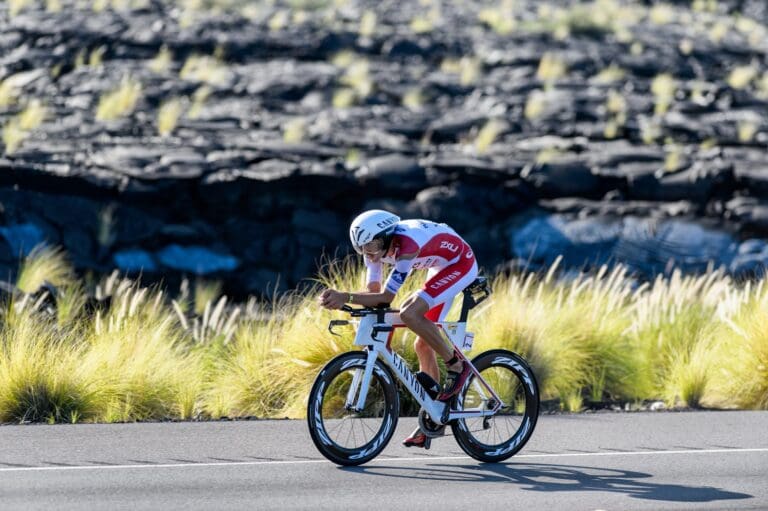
544,477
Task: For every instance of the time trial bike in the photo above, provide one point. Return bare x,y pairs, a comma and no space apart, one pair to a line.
354,403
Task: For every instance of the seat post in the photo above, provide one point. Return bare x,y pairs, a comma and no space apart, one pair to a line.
467,303
480,284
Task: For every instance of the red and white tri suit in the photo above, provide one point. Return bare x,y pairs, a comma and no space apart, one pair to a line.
421,244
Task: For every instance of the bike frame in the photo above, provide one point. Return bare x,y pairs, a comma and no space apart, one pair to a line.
376,337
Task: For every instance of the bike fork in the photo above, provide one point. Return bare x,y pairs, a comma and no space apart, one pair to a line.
361,381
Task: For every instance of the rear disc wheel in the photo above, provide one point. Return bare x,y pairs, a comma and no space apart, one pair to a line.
500,436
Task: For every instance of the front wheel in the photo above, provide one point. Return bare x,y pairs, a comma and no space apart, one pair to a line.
342,435
498,437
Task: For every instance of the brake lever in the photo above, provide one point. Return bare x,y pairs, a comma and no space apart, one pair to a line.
336,322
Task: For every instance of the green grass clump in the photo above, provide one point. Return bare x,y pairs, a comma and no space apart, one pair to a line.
203,68
44,264
168,116
691,341
673,330
663,88
41,378
119,102
573,336
250,377
18,127
742,376
488,134
147,368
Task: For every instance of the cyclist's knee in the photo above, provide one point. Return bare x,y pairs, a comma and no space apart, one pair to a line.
408,314
413,310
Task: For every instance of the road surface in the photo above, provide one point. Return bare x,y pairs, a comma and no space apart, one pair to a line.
606,461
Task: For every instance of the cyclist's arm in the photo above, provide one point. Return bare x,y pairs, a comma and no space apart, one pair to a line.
373,272
402,267
400,271
372,299
332,299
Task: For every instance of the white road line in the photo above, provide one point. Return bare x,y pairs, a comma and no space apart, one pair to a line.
377,460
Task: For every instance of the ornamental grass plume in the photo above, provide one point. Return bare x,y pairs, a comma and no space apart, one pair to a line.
673,332
44,264
741,378
252,375
694,341
573,335
41,378
149,369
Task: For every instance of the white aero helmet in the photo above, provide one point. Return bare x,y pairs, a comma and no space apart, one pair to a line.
372,224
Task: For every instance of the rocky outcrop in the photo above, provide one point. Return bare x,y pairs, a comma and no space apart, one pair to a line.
598,139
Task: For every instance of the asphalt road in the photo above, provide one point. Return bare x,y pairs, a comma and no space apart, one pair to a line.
653,461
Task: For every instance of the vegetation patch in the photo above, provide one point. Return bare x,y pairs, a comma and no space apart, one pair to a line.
139,354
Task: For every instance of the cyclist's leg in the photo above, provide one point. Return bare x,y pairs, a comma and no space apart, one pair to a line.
443,287
413,314
441,304
426,355
439,289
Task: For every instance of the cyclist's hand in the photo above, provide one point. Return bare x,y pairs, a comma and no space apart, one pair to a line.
332,299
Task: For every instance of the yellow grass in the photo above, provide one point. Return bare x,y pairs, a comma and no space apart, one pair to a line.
551,68
19,126
44,264
295,130
610,74
694,341
663,88
162,61
199,99
119,102
168,116
207,69
367,24
488,134
740,77
536,104
413,99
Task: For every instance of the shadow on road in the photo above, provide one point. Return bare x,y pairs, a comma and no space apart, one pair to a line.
557,478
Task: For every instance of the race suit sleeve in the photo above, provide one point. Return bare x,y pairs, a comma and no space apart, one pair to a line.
399,273
373,271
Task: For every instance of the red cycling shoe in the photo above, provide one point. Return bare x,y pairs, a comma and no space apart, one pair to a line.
417,439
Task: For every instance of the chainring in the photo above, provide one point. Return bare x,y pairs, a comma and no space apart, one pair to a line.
430,427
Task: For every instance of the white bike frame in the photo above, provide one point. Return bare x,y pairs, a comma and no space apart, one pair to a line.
376,337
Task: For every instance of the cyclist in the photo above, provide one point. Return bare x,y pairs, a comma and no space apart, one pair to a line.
382,237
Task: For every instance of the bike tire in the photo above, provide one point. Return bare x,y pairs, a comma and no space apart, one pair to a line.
512,378
327,396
